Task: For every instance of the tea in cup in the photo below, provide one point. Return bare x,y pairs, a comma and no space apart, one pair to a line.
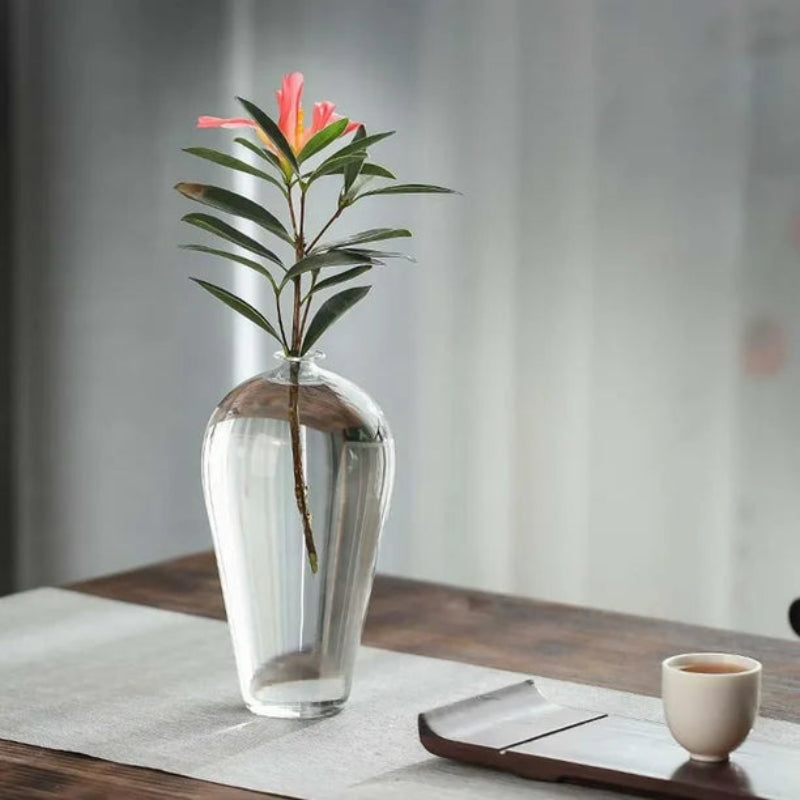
710,701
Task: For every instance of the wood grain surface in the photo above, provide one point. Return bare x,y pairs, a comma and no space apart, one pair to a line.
558,641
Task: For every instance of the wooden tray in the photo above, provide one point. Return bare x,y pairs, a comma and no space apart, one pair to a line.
517,730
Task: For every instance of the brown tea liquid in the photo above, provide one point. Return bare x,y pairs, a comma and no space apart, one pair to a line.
713,668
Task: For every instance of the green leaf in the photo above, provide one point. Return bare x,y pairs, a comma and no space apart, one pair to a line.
237,304
219,228
329,312
408,188
322,139
372,235
223,159
360,183
247,262
347,275
357,145
368,168
380,254
235,204
335,258
332,166
351,171
377,171
273,132
260,151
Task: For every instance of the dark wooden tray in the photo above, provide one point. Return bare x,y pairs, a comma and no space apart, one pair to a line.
517,730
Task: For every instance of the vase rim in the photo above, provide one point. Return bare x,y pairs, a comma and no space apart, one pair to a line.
312,357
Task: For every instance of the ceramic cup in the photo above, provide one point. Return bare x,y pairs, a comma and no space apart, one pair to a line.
710,701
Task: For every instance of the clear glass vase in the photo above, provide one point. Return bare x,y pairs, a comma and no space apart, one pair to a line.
295,631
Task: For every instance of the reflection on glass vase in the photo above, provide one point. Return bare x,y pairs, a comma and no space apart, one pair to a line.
296,631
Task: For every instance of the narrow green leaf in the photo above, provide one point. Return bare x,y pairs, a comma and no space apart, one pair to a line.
333,166
367,168
377,171
358,186
237,304
223,159
408,188
219,228
272,130
322,139
347,275
372,235
235,204
261,152
329,312
351,171
335,258
357,145
380,254
247,262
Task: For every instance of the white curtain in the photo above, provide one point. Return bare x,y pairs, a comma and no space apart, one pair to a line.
588,428
563,368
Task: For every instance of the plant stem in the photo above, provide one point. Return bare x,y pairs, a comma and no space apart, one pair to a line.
326,226
291,211
308,299
302,244
315,273
300,486
280,321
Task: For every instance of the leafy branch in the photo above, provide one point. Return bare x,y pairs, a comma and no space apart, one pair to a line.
281,167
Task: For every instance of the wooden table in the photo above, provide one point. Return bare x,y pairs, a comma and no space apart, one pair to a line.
557,641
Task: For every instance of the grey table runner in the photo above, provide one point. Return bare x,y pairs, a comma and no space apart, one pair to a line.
155,688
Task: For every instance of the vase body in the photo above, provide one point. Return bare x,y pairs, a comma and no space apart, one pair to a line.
296,632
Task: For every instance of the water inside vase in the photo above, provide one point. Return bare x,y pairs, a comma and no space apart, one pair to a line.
295,633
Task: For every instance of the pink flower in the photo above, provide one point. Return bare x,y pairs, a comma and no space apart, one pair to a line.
219,122
291,119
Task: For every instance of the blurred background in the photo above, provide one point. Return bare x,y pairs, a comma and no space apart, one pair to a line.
591,373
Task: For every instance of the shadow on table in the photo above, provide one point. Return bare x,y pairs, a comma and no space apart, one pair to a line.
717,776
438,779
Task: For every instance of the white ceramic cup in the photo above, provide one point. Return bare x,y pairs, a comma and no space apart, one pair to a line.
710,713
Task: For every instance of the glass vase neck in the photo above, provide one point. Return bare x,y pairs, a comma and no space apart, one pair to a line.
298,369
313,357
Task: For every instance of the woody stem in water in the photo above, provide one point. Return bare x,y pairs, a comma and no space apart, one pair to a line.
300,485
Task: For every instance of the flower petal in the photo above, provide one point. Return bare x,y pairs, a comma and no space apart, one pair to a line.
323,115
221,122
290,120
